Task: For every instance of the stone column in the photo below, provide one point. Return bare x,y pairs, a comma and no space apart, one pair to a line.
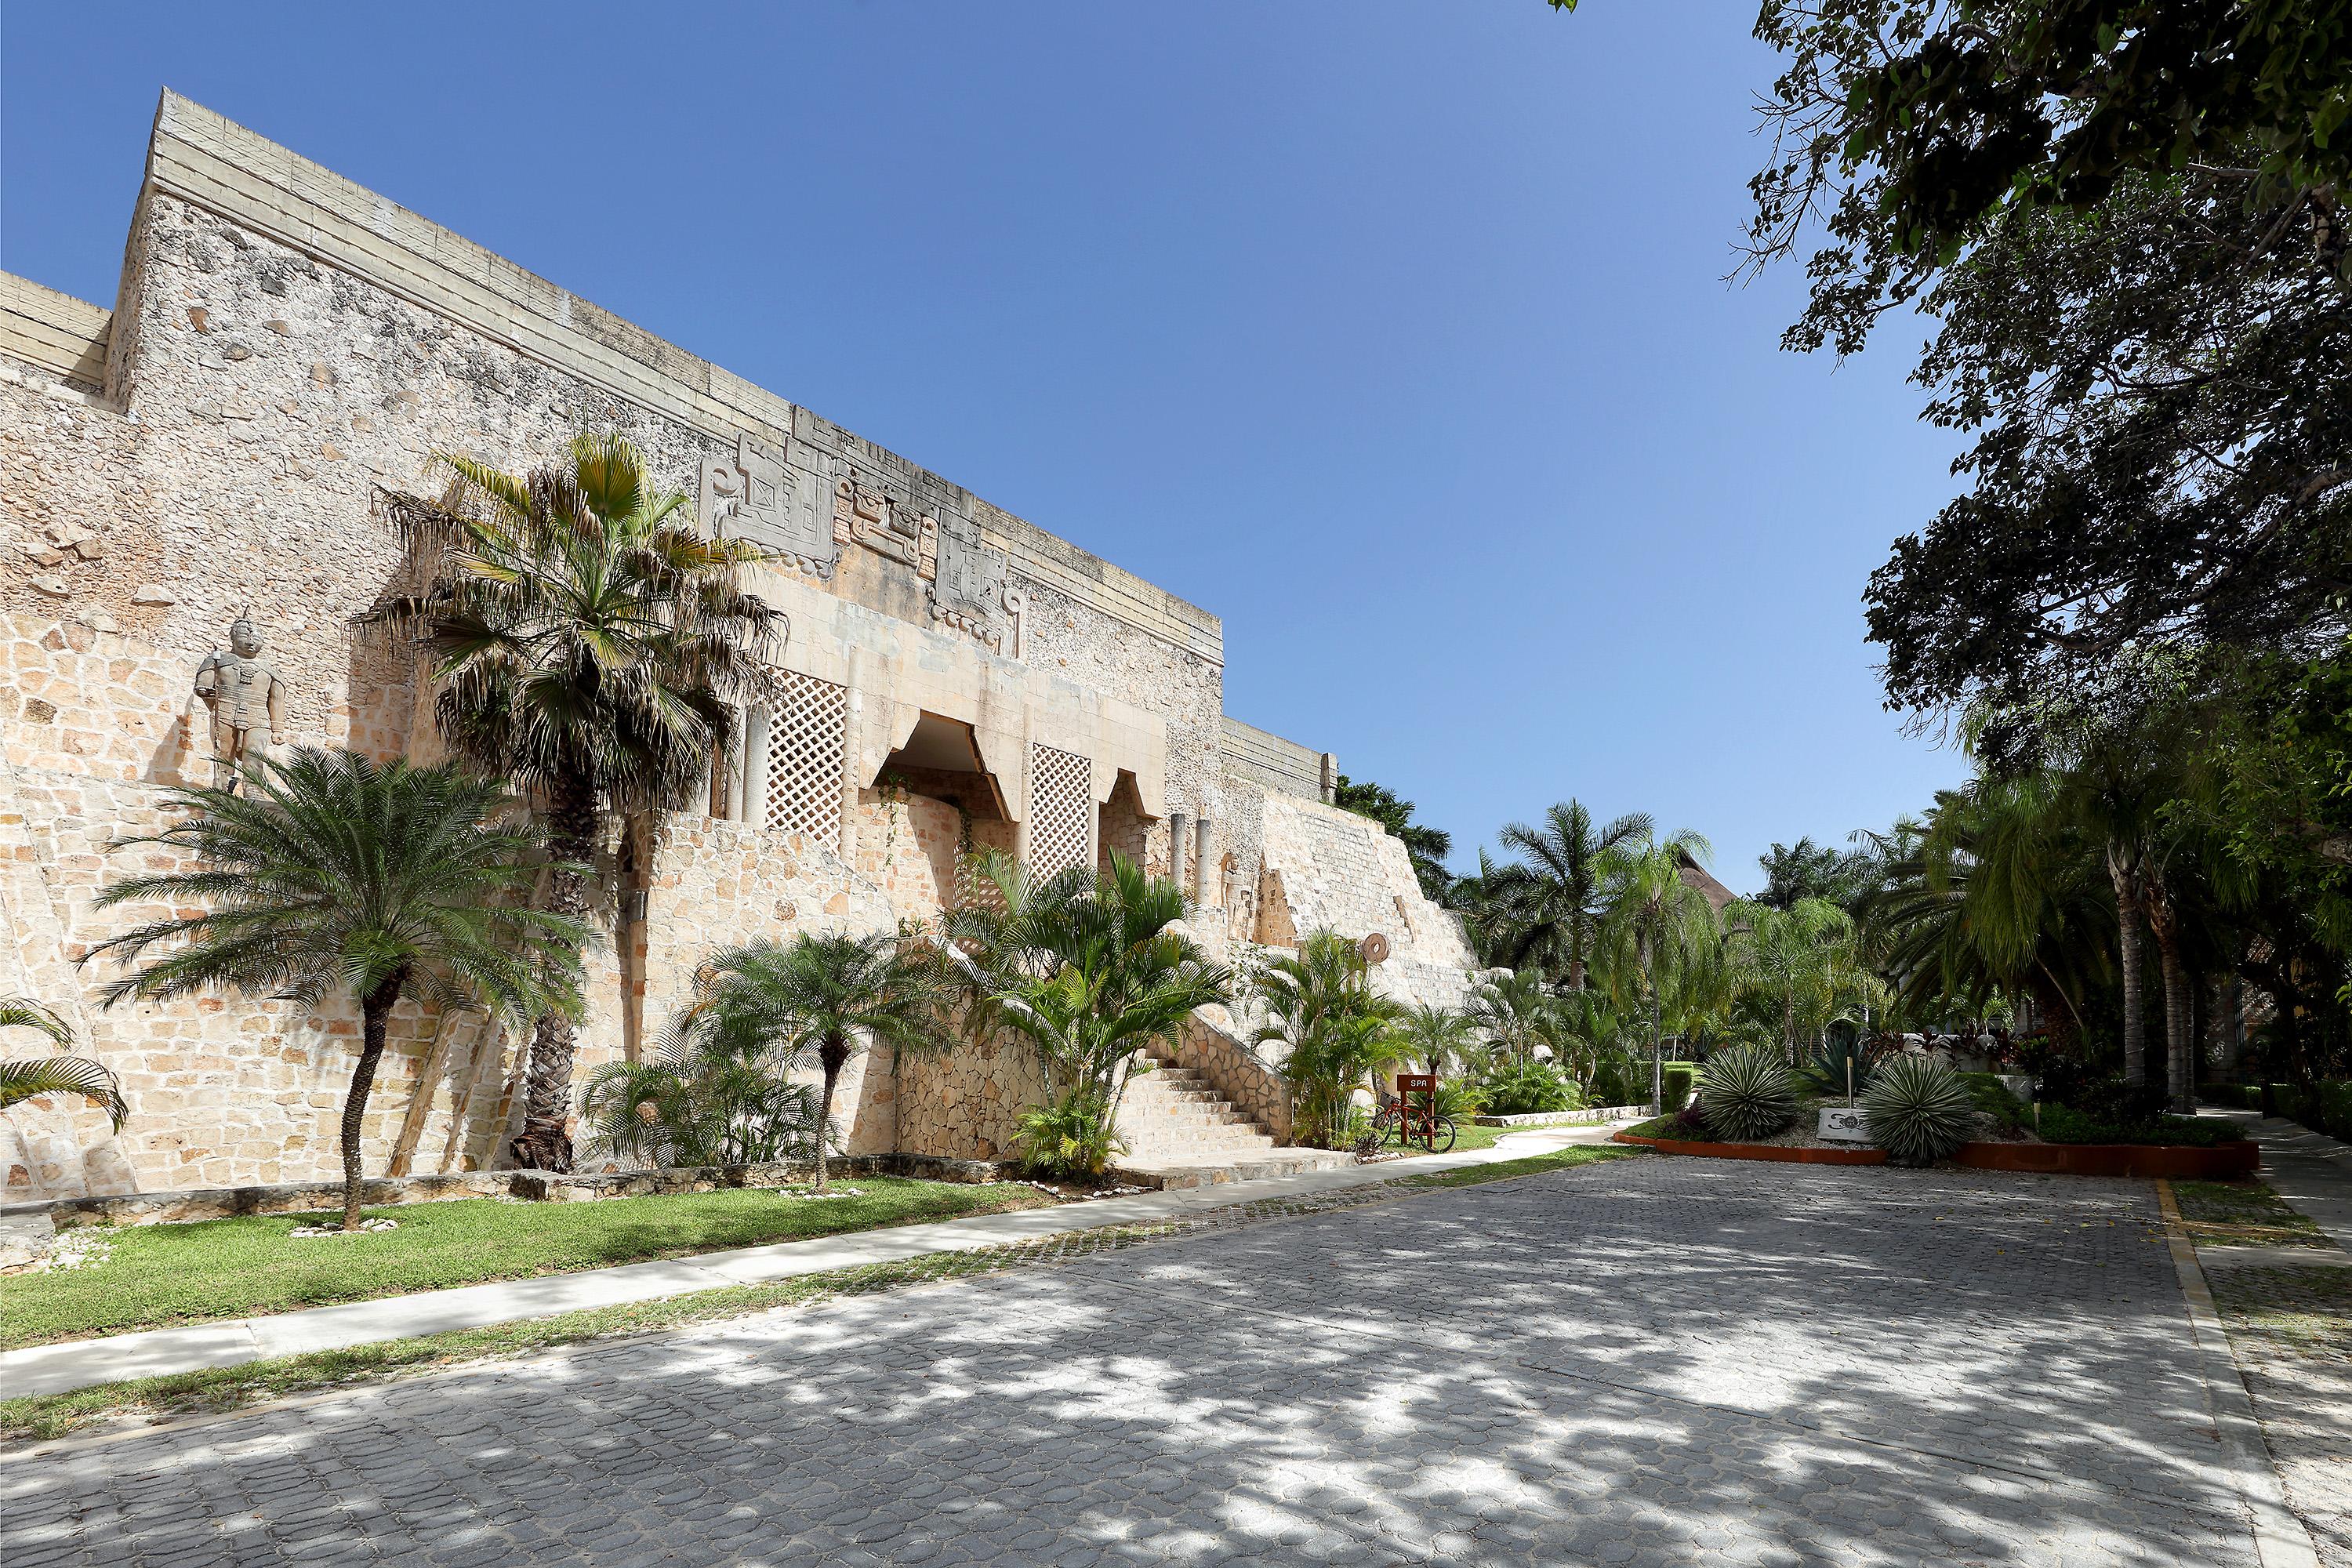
1178,822
1330,779
750,800
1208,887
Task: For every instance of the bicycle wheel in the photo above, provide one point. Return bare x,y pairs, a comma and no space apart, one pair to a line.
1436,1135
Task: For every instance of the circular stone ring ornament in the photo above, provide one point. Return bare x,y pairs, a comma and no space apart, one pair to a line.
1375,948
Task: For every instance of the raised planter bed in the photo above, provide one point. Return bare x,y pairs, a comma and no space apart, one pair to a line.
2180,1163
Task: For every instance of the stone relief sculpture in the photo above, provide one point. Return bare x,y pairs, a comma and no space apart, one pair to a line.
753,495
969,591
244,695
887,526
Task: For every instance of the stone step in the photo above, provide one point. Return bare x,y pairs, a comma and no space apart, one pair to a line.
1210,1172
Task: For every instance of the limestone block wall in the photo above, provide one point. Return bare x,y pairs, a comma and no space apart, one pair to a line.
963,1101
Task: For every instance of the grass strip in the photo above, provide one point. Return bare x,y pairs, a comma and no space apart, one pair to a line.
44,1417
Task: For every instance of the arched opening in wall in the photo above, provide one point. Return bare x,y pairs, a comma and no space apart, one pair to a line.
933,804
1120,826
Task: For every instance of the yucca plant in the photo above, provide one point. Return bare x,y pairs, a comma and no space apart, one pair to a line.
1919,1111
1744,1093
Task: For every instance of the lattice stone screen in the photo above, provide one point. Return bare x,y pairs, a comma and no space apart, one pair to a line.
1061,805
804,761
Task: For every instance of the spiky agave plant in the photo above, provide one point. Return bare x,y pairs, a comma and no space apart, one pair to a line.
1919,1111
1745,1093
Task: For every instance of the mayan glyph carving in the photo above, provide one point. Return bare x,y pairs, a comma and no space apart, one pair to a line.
889,527
753,494
969,590
247,700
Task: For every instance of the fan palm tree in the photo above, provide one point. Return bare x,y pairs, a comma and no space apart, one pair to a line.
25,1080
330,876
1655,924
826,998
589,645
1552,892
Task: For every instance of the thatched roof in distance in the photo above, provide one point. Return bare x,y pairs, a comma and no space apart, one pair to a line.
1695,875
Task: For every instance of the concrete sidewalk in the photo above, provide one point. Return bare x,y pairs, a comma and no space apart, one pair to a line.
58,1368
2310,1170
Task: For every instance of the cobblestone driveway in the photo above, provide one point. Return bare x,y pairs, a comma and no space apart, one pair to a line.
1650,1362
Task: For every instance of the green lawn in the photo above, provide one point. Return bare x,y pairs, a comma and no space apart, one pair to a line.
168,1274
2242,1213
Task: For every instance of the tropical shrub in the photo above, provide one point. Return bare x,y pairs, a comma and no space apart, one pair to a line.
698,1098
1071,1138
1745,1093
1992,1096
1461,1097
1676,1079
1917,1110
1333,1029
1527,1087
1842,1065
2061,1124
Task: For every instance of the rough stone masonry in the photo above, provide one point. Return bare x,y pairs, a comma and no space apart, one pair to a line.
283,341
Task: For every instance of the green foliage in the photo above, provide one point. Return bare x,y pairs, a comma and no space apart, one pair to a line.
1525,1088
699,1098
822,1000
2062,1124
1675,1082
1917,1110
2325,1107
1744,1093
1071,1139
1546,905
327,877
70,1076
1332,1030
1796,964
1842,1065
1990,1096
1461,1098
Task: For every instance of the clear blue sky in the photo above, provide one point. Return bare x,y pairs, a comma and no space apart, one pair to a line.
1396,334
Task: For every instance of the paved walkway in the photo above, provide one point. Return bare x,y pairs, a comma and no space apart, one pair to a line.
1645,1362
2310,1170
59,1368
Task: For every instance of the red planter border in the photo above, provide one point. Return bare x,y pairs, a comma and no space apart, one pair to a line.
2219,1162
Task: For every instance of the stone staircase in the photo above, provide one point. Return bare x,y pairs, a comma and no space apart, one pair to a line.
1181,1132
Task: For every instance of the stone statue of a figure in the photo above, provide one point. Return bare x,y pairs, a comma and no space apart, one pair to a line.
245,696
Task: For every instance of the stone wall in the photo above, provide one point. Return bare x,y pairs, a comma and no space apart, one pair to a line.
284,342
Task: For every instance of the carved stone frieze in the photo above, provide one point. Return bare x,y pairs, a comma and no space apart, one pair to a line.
753,494
886,524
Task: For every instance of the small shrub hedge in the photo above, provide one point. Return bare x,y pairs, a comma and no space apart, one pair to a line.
1525,1089
2061,1125
2325,1108
1676,1079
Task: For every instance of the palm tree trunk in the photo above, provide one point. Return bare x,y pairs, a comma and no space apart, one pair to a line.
2179,1004
375,1012
545,1143
833,1056
2128,940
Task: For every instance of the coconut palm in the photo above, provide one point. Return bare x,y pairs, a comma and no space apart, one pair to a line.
1551,894
1656,923
824,999
25,1080
327,877
589,644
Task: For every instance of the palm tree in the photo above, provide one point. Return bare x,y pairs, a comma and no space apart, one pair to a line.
1332,1028
1552,893
589,645
1093,970
1795,960
1656,923
1513,1010
329,876
1435,1034
28,1078
826,998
